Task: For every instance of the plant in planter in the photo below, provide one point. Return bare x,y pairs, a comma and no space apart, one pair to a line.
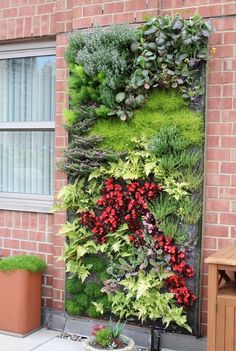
20,303
109,338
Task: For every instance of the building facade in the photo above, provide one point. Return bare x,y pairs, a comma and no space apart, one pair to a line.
40,29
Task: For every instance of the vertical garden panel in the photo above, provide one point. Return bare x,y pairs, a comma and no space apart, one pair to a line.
135,164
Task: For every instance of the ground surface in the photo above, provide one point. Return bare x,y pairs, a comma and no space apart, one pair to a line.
42,340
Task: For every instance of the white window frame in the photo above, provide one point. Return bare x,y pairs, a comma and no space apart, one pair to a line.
18,201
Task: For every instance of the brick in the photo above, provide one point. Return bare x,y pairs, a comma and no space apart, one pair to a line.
213,116
124,18
211,217
217,205
27,11
45,248
93,10
21,234
28,246
223,243
82,23
224,51
223,24
218,154
216,230
216,39
228,142
10,12
228,218
213,141
209,243
227,90
27,26
5,232
228,116
37,236
211,192
44,9
233,206
210,11
228,167
167,4
104,20
9,219
12,244
153,4
229,9
135,5
114,7
230,38
214,91
233,232
220,180
215,65
228,193
220,77
219,128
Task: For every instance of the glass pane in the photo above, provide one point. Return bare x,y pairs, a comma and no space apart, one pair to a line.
26,162
27,89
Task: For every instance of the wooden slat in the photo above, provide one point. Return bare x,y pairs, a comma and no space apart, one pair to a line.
212,294
220,328
225,256
229,328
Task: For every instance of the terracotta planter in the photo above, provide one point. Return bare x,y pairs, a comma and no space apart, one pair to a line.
20,301
129,347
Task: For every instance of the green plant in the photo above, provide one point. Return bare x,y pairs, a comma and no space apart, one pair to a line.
100,64
83,300
73,307
98,263
74,285
103,337
83,156
148,121
116,329
93,312
141,298
93,290
132,231
23,262
171,54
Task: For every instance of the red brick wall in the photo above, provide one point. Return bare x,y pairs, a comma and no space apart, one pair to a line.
57,18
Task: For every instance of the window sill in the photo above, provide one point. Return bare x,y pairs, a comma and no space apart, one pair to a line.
26,202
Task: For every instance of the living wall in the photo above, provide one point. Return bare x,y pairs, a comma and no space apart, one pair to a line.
135,165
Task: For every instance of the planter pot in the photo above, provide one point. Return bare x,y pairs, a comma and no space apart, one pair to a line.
20,302
129,347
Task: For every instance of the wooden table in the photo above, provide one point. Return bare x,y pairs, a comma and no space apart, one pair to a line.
222,300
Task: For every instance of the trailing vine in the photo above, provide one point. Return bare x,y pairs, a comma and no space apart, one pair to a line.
135,166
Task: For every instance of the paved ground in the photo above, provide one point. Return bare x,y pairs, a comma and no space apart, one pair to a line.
42,340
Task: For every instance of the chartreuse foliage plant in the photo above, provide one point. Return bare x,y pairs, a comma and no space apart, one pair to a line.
161,109
135,165
23,262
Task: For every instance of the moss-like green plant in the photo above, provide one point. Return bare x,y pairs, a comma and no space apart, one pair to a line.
73,307
103,337
162,109
93,290
83,300
74,285
22,262
98,263
92,312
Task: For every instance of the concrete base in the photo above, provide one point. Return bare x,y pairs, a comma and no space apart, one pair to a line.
141,335
18,335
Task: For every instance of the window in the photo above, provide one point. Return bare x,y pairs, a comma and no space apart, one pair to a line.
27,109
